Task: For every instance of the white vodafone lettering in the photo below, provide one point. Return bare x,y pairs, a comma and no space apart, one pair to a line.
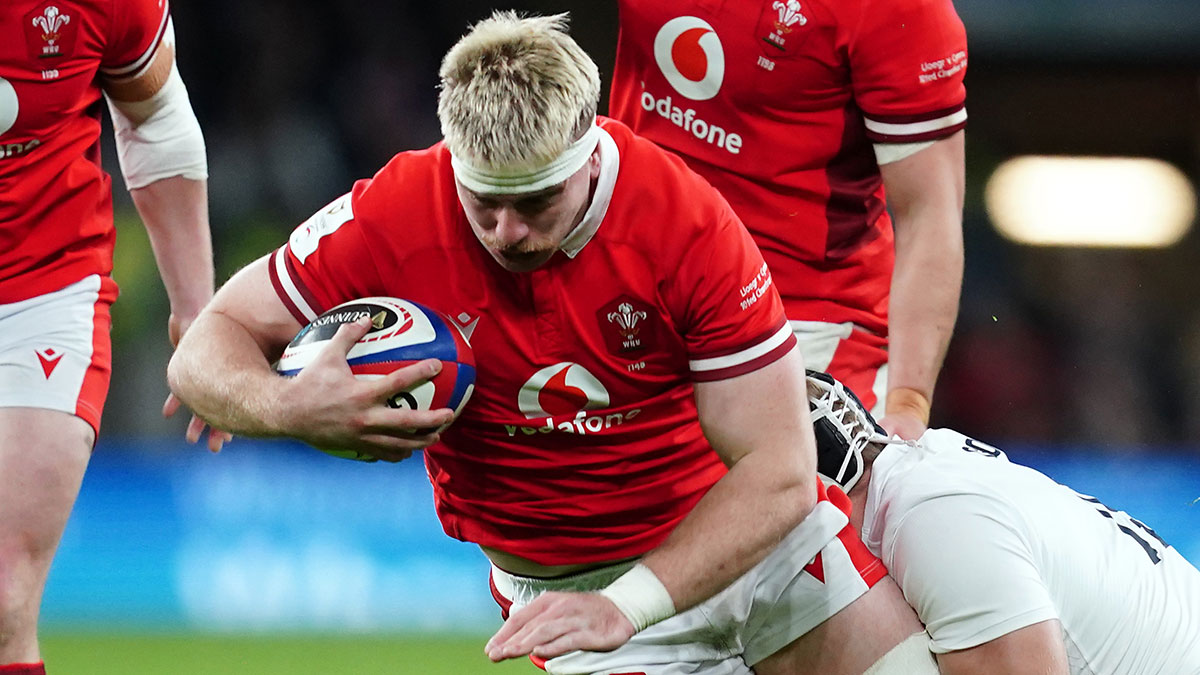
307,236
9,106
582,424
687,120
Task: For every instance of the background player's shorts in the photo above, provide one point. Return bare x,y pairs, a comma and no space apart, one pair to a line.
761,612
55,349
854,356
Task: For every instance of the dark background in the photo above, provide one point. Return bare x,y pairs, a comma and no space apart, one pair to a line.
1064,345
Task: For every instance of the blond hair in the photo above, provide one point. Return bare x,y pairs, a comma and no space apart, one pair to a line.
516,91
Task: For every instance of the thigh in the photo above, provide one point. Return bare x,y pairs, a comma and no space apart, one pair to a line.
55,350
43,455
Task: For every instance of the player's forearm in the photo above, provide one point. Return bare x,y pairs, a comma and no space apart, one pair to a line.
741,519
925,193
175,212
925,293
220,372
758,424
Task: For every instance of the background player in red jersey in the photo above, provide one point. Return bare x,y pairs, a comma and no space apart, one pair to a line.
805,115
56,240
632,460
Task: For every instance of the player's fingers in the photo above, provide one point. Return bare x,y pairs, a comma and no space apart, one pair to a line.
170,406
407,423
347,334
216,440
541,630
195,427
404,378
392,448
567,642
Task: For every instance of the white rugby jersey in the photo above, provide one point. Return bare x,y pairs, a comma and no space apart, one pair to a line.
983,547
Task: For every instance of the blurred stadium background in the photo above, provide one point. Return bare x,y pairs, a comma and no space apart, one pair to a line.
1081,360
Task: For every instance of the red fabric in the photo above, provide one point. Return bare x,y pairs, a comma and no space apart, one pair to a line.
796,89
871,569
94,389
38,668
581,442
55,201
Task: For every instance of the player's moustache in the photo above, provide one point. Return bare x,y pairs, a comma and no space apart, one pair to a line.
522,248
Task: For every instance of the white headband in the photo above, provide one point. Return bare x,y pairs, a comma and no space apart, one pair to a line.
504,182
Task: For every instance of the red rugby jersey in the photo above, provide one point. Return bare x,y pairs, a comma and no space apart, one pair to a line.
777,104
55,201
581,441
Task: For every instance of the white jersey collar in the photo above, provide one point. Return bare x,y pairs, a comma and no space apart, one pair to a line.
610,164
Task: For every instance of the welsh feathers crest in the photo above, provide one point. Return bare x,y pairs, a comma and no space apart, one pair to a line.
52,20
789,15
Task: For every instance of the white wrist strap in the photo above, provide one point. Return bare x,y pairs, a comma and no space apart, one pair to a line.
641,597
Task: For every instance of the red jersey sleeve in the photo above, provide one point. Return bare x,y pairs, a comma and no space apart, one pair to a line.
327,260
734,322
907,62
136,31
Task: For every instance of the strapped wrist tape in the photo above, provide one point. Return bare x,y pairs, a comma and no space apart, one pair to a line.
641,597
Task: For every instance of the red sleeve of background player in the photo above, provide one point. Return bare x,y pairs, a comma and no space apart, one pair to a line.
734,321
327,260
907,62
134,34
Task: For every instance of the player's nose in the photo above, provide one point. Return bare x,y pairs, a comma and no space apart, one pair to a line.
511,229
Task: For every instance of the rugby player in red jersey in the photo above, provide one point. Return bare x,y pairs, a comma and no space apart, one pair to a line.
56,243
811,117
636,460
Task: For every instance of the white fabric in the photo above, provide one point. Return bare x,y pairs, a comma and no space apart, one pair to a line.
886,153
501,181
981,547
55,329
911,657
160,137
640,596
757,615
819,341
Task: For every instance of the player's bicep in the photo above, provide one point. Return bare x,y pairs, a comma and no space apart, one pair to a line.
1036,650
964,566
732,413
250,300
143,85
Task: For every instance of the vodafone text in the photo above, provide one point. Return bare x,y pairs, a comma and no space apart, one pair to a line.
687,120
581,424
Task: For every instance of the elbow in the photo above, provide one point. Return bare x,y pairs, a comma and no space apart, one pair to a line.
177,376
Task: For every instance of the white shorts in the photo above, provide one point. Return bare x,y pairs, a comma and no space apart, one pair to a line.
856,357
760,613
55,350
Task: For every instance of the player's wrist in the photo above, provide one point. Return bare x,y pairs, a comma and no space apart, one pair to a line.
906,400
641,597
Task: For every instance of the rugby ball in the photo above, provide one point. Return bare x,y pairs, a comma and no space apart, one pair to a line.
402,333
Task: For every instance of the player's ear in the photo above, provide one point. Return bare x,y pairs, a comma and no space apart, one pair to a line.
594,163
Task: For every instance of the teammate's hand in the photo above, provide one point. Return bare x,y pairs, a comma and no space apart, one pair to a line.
328,407
557,623
905,425
176,327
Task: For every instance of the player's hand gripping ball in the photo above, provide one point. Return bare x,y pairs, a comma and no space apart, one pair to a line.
402,333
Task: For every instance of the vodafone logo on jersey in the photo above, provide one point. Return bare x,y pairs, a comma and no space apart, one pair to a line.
690,56
565,390
562,389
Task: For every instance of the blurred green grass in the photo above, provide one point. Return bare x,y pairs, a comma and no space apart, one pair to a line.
91,653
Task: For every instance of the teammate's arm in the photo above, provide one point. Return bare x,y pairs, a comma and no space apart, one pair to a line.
1032,650
925,194
222,371
752,422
